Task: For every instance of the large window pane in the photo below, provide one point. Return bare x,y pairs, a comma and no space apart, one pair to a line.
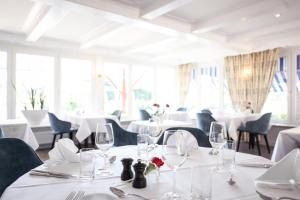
115,87
277,99
76,85
3,84
34,72
298,87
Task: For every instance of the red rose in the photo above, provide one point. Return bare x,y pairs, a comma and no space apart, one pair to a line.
157,161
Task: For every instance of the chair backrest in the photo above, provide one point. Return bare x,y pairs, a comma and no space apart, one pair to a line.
206,110
202,138
203,121
57,125
183,109
121,136
144,115
261,125
16,158
1,133
118,114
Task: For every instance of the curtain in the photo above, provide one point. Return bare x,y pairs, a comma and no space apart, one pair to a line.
250,77
184,74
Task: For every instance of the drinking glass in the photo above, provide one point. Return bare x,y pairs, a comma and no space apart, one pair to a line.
87,163
217,136
174,155
201,183
228,156
142,146
104,140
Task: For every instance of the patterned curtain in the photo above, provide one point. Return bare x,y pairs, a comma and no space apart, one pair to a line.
184,74
250,77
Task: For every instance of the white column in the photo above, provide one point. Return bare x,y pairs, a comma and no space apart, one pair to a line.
57,83
11,84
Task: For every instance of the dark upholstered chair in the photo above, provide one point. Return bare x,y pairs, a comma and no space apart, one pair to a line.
1,133
122,137
256,128
202,138
144,115
206,110
16,158
60,127
182,109
203,122
118,114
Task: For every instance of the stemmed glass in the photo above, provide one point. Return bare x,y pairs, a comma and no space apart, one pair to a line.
104,140
217,138
174,155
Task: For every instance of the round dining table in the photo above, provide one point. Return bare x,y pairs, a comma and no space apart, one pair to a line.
30,187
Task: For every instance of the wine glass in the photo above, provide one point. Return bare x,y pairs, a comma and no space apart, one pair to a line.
174,155
104,140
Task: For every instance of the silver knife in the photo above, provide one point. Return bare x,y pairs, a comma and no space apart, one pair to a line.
258,165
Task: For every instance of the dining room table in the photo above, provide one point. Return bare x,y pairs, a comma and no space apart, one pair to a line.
178,116
30,187
287,140
146,126
87,123
19,128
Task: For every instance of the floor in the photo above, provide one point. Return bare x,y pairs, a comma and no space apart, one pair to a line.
43,153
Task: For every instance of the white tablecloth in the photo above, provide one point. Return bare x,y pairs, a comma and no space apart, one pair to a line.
88,124
233,122
286,141
178,116
35,188
19,129
146,126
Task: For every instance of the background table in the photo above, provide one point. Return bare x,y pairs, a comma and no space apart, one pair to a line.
178,116
35,188
286,141
14,128
88,124
146,126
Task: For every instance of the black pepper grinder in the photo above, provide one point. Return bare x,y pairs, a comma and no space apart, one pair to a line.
127,173
139,180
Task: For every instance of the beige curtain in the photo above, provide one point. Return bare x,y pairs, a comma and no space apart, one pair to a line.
250,77
184,74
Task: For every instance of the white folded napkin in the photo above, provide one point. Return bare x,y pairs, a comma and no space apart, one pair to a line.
64,150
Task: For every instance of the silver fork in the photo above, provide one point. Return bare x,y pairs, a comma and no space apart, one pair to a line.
79,195
71,195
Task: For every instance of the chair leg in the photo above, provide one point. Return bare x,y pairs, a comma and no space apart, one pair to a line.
258,146
267,143
61,135
93,139
250,141
53,141
239,140
71,135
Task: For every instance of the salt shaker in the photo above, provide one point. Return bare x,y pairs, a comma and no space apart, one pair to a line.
127,173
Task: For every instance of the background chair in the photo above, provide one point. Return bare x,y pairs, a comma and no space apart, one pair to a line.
144,115
182,109
203,122
60,127
1,133
206,110
256,128
16,158
202,138
122,137
118,114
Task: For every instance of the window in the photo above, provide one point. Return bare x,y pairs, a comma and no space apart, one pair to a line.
3,84
33,72
277,99
76,85
142,87
297,87
115,87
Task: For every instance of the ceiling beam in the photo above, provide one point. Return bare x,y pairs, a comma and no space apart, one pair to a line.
47,20
161,7
35,14
247,12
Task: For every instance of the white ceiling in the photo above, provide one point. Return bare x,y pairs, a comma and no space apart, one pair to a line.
169,31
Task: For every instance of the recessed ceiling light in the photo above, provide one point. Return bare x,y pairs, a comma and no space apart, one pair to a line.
277,15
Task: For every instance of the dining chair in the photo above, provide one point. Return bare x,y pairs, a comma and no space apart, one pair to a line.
255,128
202,138
118,114
1,133
144,115
203,122
16,158
206,110
60,127
182,109
122,137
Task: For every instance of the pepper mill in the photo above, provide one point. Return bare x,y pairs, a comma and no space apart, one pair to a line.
127,173
139,180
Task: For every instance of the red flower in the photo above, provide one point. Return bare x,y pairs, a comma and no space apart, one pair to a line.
157,161
167,105
156,105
